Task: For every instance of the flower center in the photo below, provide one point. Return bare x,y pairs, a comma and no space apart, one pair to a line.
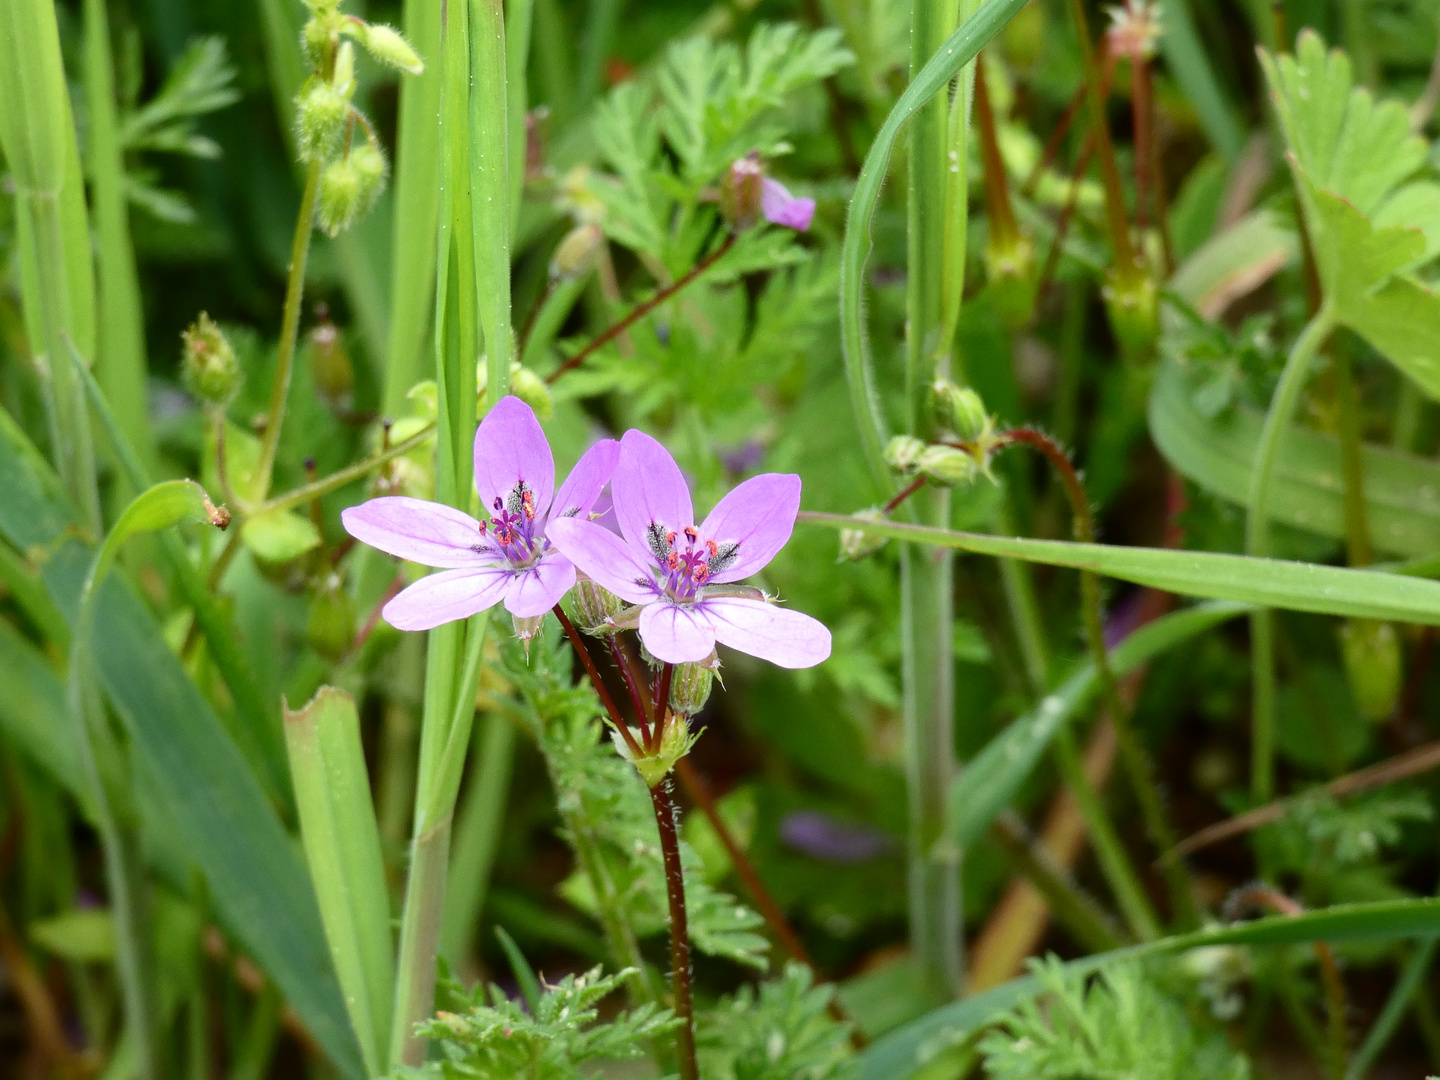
683,570
513,527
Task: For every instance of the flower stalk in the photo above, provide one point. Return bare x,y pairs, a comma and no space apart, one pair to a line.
679,929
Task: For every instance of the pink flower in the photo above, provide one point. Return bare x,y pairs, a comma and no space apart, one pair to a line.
507,557
782,208
683,576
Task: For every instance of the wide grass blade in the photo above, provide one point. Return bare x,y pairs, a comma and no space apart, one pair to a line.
342,846
1277,583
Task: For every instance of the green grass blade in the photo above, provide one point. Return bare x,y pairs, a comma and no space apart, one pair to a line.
992,777
1277,583
120,358
1383,1029
959,49
490,187
342,847
1185,57
902,1053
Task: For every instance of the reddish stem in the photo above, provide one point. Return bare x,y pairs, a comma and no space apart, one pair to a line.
641,310
616,720
374,618
997,192
905,492
679,928
618,655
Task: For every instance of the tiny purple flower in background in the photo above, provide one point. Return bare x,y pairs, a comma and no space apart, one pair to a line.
681,574
782,208
505,558
831,840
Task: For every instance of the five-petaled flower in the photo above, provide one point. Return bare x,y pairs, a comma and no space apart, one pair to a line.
507,557
684,576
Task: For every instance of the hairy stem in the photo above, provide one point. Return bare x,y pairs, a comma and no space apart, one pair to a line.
1257,542
617,653
679,929
639,311
616,720
289,332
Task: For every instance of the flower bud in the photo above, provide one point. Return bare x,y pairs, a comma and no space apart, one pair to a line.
741,192
321,112
577,254
690,685
526,628
317,37
1371,651
387,45
330,622
947,465
959,409
903,452
856,544
1011,271
209,367
524,384
350,186
330,366
596,608
675,743
1132,303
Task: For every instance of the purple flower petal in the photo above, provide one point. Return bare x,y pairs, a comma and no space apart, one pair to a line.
511,447
604,557
782,208
535,591
648,488
429,533
759,517
577,496
779,635
447,596
676,633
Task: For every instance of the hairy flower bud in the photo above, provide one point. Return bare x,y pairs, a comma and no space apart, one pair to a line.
856,544
330,621
959,409
524,384
596,608
1132,302
343,74
387,45
330,365
321,112
741,192
1371,651
903,452
675,743
350,186
526,628
577,254
690,685
947,465
209,367
317,36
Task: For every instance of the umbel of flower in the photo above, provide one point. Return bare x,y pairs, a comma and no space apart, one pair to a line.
683,576
506,558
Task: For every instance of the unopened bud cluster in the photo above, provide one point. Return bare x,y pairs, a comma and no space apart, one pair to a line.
353,173
209,367
967,444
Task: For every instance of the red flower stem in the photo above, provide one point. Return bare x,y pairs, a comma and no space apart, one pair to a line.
373,620
1067,212
679,930
662,700
904,493
616,720
639,311
618,655
1062,127
997,193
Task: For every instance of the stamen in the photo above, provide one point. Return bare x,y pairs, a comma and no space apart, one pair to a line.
659,541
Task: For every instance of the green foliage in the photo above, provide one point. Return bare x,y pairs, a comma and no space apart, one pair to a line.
782,1031
1120,1023
603,801
484,1034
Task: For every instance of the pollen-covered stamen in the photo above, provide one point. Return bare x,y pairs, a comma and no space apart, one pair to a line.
659,541
513,526
685,570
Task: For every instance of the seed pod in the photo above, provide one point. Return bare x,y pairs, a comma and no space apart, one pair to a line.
209,367
1132,302
330,622
856,544
903,453
741,192
330,364
947,465
1373,666
596,607
321,113
959,409
690,685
